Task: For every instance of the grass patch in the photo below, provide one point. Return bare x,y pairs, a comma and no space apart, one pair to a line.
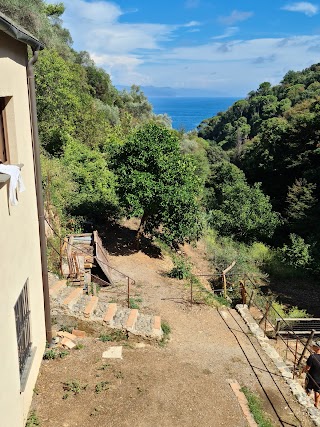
117,335
255,406
74,386
166,332
104,367
79,346
33,420
133,303
101,386
54,353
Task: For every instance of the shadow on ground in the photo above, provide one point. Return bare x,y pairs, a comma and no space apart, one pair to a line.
303,294
121,240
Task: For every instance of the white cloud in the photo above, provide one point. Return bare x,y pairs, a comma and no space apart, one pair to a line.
307,8
230,31
94,27
239,68
192,24
235,16
145,54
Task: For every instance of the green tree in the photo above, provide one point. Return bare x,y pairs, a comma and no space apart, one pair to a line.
158,184
236,209
296,253
300,199
96,185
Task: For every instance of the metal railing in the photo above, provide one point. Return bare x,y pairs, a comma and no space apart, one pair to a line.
293,346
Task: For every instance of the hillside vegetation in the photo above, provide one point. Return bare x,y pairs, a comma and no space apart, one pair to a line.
273,137
247,180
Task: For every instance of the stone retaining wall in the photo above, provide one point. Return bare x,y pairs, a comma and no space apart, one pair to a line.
285,371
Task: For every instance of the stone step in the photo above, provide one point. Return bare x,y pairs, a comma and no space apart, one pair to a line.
110,313
132,319
90,307
157,330
57,287
72,298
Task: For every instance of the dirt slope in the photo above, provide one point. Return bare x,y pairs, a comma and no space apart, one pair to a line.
182,384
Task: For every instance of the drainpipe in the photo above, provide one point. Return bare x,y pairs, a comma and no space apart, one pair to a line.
38,184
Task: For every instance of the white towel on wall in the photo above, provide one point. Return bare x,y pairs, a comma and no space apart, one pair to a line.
15,181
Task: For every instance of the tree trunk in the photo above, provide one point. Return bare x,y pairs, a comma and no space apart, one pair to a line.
141,229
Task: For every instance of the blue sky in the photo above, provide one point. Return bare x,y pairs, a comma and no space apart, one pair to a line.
220,48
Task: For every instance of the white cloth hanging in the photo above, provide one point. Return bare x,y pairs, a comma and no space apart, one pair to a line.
15,181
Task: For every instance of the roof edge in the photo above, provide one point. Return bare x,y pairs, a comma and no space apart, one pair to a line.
19,33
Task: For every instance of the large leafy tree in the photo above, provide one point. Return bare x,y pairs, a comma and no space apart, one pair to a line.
236,208
158,183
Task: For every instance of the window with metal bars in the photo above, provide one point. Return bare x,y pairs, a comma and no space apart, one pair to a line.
4,152
22,315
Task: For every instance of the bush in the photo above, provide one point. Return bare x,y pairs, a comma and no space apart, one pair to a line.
296,253
223,251
181,269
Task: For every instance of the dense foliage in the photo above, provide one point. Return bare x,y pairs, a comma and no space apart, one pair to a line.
274,137
105,154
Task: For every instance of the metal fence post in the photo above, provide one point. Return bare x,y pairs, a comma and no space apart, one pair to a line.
243,292
128,292
306,347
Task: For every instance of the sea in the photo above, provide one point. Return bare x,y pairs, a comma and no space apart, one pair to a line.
187,113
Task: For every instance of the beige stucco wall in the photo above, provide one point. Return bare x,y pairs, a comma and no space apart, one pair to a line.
19,241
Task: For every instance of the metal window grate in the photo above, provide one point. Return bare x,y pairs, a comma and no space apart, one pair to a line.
22,315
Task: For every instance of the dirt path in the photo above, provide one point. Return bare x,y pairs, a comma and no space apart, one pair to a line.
182,384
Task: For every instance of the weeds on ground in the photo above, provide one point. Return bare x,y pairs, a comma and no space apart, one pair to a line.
119,375
104,367
74,386
133,302
101,386
66,328
166,332
33,420
54,353
93,289
255,406
79,346
117,335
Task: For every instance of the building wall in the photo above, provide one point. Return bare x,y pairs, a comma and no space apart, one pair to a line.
19,241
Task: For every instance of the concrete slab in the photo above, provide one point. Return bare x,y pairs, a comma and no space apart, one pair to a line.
113,353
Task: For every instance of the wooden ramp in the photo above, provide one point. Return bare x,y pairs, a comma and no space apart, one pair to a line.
101,256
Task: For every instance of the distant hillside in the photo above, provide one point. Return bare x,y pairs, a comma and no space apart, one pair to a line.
175,92
273,135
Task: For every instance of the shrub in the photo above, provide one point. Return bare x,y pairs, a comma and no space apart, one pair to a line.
181,269
296,253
